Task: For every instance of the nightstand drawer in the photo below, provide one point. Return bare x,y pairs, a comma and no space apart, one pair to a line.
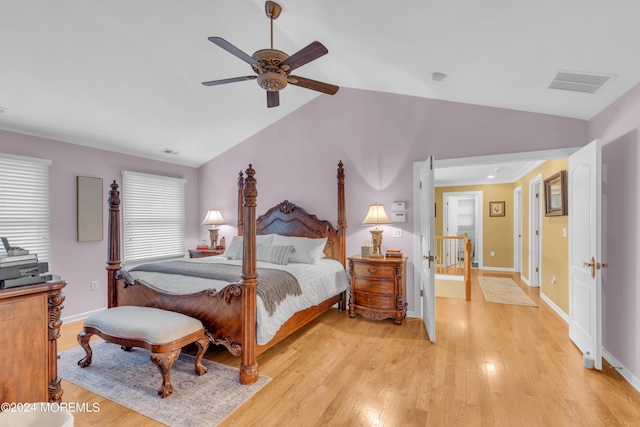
375,286
374,271
383,302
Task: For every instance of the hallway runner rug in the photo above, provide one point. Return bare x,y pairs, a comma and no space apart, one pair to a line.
504,290
132,380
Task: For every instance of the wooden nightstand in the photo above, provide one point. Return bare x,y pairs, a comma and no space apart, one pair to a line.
378,286
201,253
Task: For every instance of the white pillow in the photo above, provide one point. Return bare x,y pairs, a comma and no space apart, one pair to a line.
275,254
306,250
235,249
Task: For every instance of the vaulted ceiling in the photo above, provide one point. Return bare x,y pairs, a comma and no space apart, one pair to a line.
126,75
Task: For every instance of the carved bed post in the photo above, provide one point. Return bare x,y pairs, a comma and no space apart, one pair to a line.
342,228
249,365
240,209
113,256
342,216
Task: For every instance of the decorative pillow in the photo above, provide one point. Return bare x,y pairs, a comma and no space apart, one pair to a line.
235,249
306,250
275,254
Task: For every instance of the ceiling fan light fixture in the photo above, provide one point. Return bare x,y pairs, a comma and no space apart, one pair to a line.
272,81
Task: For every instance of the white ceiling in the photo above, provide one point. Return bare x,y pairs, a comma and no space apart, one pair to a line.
125,75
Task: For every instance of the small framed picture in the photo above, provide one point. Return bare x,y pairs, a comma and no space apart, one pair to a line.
496,208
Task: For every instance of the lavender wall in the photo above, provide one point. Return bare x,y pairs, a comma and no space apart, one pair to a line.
378,136
618,126
80,263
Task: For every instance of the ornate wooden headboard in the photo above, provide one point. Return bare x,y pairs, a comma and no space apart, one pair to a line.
290,220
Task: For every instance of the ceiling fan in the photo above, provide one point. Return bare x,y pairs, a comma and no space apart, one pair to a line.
273,67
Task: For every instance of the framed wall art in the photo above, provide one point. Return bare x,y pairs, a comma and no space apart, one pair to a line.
89,209
496,208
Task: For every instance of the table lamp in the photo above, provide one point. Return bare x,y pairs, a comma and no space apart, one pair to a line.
375,216
214,217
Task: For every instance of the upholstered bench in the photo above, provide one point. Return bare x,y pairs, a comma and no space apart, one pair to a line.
162,332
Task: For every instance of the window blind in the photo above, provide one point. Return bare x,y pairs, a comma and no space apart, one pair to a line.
24,204
153,217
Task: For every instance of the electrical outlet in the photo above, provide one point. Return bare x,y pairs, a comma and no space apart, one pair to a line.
94,285
397,232
493,253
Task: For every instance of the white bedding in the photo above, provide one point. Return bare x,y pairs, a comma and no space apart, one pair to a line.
318,282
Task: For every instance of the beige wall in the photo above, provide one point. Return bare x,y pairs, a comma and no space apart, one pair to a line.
554,247
498,232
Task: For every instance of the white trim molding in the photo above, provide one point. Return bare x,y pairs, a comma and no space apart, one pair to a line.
555,308
622,370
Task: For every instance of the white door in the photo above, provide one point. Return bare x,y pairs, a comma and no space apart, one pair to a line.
535,256
517,230
450,249
427,244
585,188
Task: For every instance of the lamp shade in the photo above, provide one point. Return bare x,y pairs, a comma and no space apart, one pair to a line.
214,217
376,215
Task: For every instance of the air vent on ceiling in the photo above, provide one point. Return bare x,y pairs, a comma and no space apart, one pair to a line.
170,151
579,81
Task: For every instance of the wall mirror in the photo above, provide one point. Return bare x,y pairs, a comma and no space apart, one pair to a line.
555,194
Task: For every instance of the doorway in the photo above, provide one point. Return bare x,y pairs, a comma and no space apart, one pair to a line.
462,214
535,231
465,164
517,230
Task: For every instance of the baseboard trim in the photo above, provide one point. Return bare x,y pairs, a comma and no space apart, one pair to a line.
626,374
80,316
525,280
507,269
555,308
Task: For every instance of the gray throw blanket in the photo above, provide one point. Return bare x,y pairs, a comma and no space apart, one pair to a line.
273,285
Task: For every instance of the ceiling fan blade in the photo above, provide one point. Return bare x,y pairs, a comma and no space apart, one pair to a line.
313,85
273,98
232,80
305,55
232,50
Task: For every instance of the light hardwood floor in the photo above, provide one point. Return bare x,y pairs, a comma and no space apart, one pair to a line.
492,365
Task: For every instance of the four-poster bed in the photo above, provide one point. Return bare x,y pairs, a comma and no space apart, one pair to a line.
229,312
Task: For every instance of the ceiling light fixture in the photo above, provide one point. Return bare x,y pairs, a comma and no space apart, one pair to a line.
491,176
437,76
170,151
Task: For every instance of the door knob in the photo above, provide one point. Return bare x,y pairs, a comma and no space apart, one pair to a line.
591,264
595,266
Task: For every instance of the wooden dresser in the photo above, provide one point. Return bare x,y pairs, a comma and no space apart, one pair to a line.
378,287
29,329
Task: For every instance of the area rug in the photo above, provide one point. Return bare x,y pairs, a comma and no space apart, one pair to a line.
504,290
132,380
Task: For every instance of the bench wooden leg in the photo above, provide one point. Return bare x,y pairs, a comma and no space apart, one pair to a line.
164,362
83,340
202,344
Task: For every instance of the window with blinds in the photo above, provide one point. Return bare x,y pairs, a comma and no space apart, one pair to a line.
24,204
153,217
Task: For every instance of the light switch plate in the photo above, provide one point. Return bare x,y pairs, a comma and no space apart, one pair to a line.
397,232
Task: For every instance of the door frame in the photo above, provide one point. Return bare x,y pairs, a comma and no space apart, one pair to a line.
535,213
479,219
463,161
517,230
